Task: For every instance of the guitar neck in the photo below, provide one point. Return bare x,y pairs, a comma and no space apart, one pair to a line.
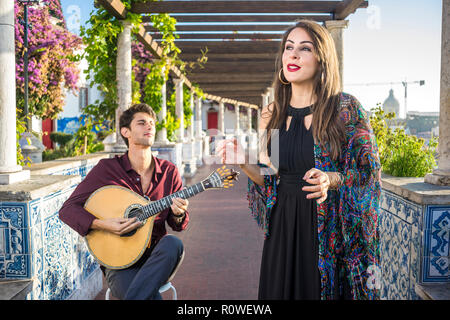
157,206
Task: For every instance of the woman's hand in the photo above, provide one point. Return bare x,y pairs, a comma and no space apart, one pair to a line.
230,151
320,183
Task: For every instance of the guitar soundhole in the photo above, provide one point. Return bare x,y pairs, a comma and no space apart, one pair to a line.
133,213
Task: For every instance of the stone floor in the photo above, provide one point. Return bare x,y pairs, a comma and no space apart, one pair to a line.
223,246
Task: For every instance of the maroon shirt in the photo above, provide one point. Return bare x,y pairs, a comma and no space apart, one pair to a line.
118,171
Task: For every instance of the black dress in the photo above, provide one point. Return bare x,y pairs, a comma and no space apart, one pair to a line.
289,266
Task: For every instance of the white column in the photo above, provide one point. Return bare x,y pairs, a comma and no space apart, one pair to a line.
264,102
258,115
199,149
265,99
198,118
249,120
336,29
179,108
10,172
237,127
161,137
221,122
189,155
191,127
123,77
270,94
441,176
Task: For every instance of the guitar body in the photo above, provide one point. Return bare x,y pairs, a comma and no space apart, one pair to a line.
110,250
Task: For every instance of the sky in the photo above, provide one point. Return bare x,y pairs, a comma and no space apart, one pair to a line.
389,42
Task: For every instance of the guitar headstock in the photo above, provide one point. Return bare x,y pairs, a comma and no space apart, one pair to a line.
221,178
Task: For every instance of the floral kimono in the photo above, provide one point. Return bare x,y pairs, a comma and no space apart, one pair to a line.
347,220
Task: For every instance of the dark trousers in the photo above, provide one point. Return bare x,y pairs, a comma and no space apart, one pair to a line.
143,279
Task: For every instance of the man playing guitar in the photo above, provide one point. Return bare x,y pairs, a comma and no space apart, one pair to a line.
150,177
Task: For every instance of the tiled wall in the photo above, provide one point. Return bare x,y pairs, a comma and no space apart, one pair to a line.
414,245
35,243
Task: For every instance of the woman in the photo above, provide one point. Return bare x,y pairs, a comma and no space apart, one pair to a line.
319,210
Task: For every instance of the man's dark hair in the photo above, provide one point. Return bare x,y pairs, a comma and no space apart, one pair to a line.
127,116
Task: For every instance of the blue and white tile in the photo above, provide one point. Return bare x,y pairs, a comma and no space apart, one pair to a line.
436,242
435,269
34,209
436,238
18,266
57,271
37,248
437,217
14,213
399,247
404,209
14,241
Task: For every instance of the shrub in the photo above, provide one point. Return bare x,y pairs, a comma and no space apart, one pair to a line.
401,155
61,138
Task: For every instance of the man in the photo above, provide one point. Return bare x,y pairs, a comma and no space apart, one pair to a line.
150,177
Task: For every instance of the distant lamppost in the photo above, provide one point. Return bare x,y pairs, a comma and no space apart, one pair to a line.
26,26
31,146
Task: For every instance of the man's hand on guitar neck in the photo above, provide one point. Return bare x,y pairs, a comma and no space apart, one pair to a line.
117,226
179,207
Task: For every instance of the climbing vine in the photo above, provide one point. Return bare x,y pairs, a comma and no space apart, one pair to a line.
149,73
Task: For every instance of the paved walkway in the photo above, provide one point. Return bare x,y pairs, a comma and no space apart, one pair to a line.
223,245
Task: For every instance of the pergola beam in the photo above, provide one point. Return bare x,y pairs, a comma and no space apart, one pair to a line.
238,86
233,95
115,7
223,27
227,68
229,47
229,56
236,7
211,77
347,7
232,101
248,36
245,18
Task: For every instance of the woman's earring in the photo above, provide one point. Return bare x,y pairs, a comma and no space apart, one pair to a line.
281,79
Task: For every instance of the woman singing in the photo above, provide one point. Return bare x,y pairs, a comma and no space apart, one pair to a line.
319,207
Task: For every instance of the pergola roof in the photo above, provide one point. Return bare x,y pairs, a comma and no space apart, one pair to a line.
242,38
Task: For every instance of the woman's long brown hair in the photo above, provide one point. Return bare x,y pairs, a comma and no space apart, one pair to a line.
326,125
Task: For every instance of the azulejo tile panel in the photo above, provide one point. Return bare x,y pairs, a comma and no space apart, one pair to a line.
436,237
399,223
14,241
57,270
34,243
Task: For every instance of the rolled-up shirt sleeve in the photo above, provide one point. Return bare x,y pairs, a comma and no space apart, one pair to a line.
72,211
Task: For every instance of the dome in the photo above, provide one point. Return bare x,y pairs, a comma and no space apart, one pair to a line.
391,104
